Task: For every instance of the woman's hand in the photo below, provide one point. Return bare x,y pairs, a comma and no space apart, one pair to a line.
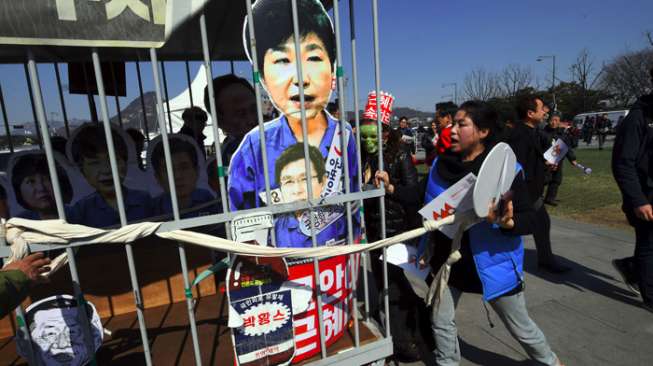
382,176
506,220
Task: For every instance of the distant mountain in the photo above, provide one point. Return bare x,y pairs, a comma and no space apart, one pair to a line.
411,113
132,115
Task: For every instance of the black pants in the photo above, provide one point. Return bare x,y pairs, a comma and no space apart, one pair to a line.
402,299
542,235
554,184
601,137
643,258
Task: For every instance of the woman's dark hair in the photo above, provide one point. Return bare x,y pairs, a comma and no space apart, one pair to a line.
484,116
273,26
31,164
393,144
177,145
90,141
296,152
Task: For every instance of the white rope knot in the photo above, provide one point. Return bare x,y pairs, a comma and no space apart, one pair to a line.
434,225
454,257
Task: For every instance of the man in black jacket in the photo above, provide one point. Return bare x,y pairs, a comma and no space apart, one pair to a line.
632,167
552,132
529,146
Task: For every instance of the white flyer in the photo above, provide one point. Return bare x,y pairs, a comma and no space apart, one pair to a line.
405,256
458,197
556,152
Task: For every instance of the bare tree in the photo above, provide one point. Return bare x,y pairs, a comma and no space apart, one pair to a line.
627,76
583,73
481,84
582,69
514,78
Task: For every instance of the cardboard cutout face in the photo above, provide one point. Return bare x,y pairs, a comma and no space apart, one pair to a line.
194,194
30,192
96,203
57,337
280,76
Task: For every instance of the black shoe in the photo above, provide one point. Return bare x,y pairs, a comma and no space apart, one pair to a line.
625,269
553,267
550,203
406,352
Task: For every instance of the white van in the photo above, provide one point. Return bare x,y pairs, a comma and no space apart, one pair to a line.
613,116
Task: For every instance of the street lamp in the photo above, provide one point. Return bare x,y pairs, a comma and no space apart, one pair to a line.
553,80
447,97
455,91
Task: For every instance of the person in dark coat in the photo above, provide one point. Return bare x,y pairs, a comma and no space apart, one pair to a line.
194,123
632,167
16,279
552,132
401,204
529,146
603,124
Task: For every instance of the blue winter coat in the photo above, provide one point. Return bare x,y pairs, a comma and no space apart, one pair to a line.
498,257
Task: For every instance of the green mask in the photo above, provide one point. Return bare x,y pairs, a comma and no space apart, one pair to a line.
369,138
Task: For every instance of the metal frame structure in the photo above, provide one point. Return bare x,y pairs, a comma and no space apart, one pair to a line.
359,354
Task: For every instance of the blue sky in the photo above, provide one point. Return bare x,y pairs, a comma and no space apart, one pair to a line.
424,44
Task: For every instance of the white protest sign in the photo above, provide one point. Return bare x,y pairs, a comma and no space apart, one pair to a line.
458,197
495,178
556,152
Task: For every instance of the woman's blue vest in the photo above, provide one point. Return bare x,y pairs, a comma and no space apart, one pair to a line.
499,258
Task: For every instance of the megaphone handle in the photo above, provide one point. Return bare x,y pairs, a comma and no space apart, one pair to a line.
503,178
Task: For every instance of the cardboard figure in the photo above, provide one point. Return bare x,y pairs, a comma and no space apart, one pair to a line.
277,63
235,104
56,333
194,197
32,188
5,212
87,148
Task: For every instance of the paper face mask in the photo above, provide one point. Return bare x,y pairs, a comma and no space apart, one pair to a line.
369,138
56,333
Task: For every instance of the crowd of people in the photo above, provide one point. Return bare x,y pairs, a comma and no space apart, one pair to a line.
295,158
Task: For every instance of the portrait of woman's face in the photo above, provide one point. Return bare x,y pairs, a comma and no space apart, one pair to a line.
280,76
97,171
37,193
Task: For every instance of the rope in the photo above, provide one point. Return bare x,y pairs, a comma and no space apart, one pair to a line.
433,297
22,232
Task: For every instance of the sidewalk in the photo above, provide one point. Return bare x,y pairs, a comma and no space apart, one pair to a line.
588,315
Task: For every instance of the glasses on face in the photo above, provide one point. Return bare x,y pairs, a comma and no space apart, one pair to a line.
292,181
